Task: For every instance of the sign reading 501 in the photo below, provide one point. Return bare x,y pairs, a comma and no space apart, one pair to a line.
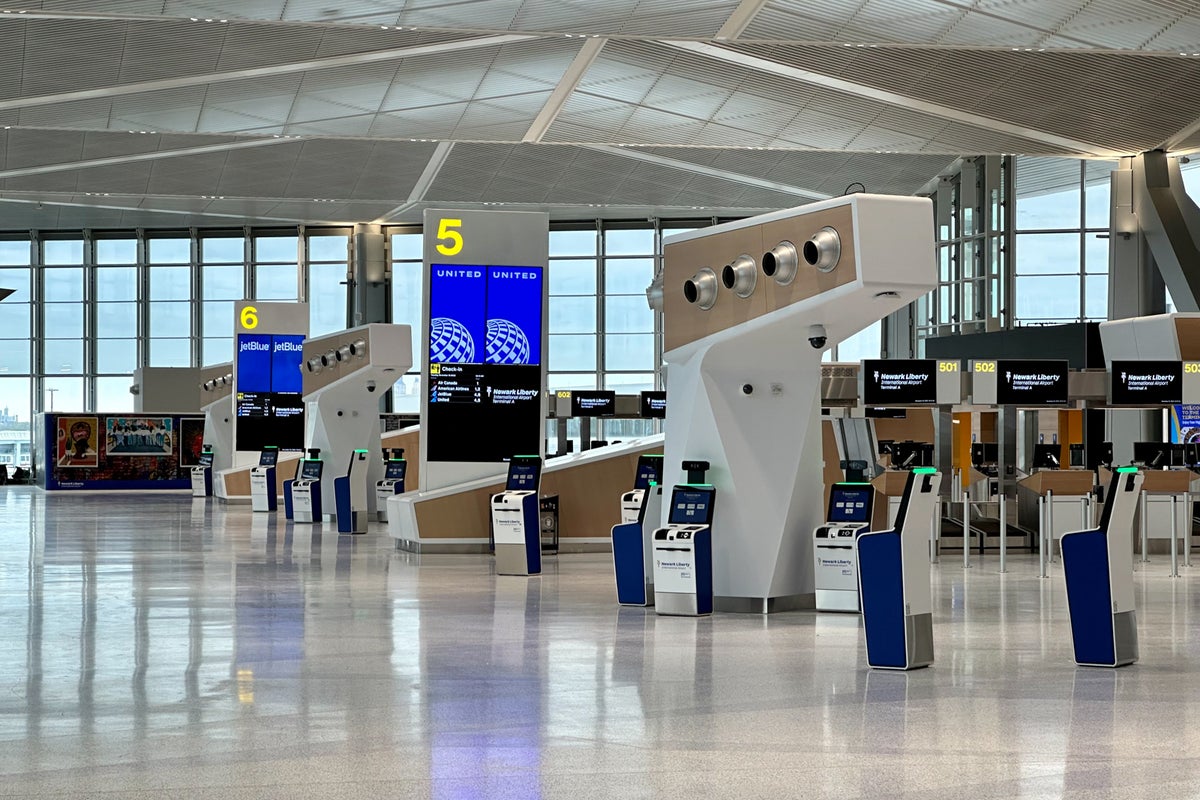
449,237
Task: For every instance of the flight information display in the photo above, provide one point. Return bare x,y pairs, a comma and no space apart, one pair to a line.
593,404
484,362
654,405
1146,383
899,382
1031,382
270,410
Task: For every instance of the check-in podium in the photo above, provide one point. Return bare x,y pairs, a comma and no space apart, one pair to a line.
1065,489
893,580
1098,567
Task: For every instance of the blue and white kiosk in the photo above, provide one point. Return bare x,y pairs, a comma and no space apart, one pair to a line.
649,472
683,549
835,569
202,482
302,494
1098,567
893,580
262,480
350,494
516,519
395,468
633,538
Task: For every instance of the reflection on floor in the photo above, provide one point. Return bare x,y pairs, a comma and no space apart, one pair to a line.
156,647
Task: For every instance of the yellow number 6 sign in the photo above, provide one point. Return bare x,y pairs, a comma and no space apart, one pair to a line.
249,318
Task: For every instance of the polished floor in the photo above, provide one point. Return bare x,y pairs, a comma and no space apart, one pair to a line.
157,647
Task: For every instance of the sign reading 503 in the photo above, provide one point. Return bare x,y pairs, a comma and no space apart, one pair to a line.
449,237
1191,367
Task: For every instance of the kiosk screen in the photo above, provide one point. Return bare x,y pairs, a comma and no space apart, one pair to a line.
1046,456
206,459
268,458
649,470
984,453
692,506
1152,454
850,504
523,474
395,470
310,471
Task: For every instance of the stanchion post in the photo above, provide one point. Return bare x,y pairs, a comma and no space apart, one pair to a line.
1049,530
1145,530
1003,535
966,528
1187,531
1174,536
1042,536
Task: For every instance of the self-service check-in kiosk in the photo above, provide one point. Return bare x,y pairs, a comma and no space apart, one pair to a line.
302,495
893,580
633,549
350,492
394,470
262,480
683,549
649,471
516,521
202,483
1098,566
835,565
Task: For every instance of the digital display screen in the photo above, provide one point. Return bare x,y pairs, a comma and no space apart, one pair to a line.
691,506
899,382
310,471
654,405
268,458
269,386
850,504
649,470
484,362
395,470
206,459
1029,382
522,478
1145,383
593,404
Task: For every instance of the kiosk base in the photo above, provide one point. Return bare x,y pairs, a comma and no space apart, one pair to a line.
511,559
678,605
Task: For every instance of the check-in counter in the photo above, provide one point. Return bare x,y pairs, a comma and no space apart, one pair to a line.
1158,487
1068,488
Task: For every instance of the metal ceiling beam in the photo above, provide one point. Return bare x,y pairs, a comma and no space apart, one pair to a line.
740,19
1179,138
155,155
567,84
428,175
701,169
291,67
890,98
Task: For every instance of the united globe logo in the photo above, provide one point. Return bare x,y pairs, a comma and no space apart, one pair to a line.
506,343
450,342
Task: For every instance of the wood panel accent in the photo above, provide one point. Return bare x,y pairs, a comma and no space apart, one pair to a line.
589,496
237,481
1060,481
685,323
1070,431
960,447
917,426
1187,329
410,440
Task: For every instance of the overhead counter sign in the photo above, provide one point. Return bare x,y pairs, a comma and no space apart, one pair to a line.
892,383
1145,383
1025,383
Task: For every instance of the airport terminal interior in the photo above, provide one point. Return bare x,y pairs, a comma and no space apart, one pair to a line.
599,399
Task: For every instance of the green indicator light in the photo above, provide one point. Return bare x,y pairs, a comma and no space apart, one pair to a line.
533,456
1127,469
698,485
852,483
925,470
362,451
654,483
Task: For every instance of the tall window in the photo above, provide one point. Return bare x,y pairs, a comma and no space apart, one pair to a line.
170,307
276,261
16,339
405,248
327,260
222,281
63,322
117,313
1061,240
574,309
